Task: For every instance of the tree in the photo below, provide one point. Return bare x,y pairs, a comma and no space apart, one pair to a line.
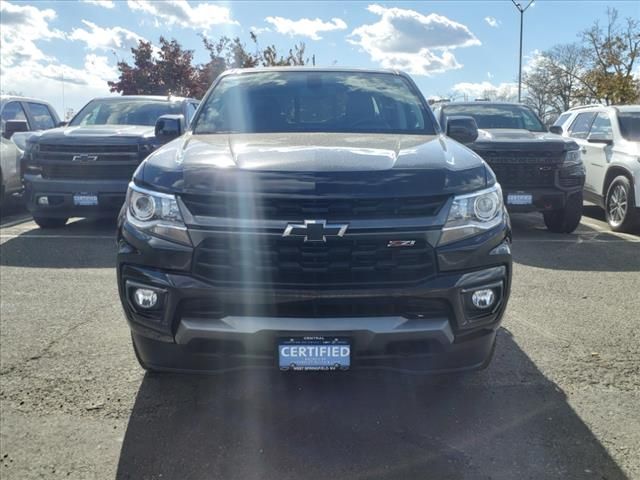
553,83
613,52
169,69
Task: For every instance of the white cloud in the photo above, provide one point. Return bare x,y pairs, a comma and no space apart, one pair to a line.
492,22
98,38
259,30
408,40
202,16
21,26
507,91
44,80
101,3
305,27
25,68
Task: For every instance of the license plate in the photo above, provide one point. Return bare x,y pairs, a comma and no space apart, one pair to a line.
519,199
314,353
85,199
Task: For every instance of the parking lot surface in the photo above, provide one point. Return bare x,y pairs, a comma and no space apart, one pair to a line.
559,401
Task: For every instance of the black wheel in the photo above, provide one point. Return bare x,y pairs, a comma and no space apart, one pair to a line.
45,222
620,206
140,361
567,219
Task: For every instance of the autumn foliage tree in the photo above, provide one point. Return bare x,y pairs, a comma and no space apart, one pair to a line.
170,70
598,68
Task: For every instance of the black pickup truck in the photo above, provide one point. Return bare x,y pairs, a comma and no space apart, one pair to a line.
314,219
538,170
83,169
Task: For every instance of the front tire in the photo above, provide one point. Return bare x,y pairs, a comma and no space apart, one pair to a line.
46,222
620,205
567,219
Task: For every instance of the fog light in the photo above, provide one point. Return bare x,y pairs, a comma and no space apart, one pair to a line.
43,200
483,299
145,298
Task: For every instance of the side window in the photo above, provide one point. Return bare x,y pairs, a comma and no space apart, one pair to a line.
191,109
581,125
12,111
561,119
42,118
602,126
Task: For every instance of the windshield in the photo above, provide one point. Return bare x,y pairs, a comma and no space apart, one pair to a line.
630,125
124,112
314,102
497,116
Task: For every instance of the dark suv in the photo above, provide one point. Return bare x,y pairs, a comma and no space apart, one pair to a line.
314,220
83,169
538,171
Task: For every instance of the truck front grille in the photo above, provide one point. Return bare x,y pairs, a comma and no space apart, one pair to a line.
89,172
275,260
287,208
523,168
110,162
524,175
409,307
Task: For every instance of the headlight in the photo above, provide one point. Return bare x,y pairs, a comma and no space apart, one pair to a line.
472,214
572,158
156,213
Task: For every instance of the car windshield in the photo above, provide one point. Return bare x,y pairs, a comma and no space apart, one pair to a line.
314,102
124,112
497,116
630,125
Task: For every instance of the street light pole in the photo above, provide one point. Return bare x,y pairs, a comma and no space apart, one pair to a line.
521,10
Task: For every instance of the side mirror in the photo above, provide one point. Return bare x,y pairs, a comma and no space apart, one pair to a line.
557,129
462,129
169,127
600,138
14,126
62,124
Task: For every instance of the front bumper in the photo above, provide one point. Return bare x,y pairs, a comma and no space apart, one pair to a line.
111,195
542,199
236,326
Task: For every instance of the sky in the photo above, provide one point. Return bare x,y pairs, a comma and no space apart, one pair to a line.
66,51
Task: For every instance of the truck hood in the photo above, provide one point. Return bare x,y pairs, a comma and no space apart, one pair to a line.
314,163
521,139
82,134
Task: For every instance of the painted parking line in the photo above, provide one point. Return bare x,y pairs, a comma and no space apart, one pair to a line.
16,221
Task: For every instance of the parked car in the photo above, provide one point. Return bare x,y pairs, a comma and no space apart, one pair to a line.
314,219
19,114
82,170
538,171
610,141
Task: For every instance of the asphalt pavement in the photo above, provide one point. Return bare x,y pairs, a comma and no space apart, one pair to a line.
559,401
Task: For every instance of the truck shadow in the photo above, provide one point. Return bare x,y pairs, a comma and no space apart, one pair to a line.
586,249
507,422
80,244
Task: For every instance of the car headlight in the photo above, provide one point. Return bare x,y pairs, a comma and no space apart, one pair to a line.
156,213
572,158
473,213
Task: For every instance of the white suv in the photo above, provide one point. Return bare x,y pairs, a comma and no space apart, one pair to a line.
609,138
17,115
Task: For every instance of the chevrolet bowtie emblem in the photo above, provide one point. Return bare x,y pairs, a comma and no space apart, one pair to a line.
315,230
84,158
